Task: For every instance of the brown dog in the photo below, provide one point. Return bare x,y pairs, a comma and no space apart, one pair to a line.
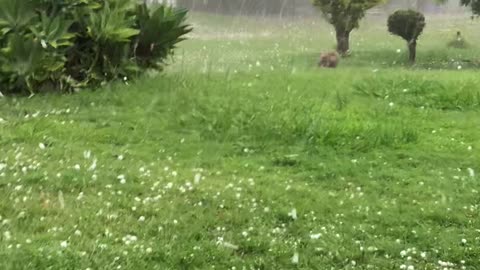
329,60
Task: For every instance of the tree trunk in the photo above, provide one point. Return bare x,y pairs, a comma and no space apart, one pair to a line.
343,42
412,48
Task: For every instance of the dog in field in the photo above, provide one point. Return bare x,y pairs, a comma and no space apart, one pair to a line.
329,60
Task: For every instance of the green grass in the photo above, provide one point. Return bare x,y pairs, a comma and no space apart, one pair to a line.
201,167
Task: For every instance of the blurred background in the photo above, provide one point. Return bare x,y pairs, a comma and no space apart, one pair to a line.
301,8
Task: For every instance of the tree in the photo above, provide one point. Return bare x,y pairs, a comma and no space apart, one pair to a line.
345,16
474,4
409,25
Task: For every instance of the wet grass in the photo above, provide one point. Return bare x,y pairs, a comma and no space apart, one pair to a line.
244,155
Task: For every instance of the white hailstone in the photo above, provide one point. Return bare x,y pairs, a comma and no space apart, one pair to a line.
471,172
423,255
78,233
403,253
28,241
399,50
122,179
469,148
464,241
403,266
2,120
315,236
293,214
148,250
3,166
411,267
64,244
76,167
141,219
391,104
41,146
295,258
87,154
120,157
93,166
228,245
244,234
197,178
459,67
7,235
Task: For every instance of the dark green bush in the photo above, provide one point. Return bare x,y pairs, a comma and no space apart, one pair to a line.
70,44
409,25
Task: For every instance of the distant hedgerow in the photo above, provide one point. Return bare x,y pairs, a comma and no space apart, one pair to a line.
67,45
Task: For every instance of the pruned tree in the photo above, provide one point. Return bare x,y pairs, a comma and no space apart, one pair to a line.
345,16
473,4
409,25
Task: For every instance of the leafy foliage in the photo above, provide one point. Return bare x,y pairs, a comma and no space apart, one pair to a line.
345,16
408,24
70,44
474,4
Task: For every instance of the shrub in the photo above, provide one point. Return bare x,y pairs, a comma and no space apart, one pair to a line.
345,16
409,25
70,44
458,42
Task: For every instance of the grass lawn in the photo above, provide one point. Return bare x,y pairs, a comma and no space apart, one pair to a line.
244,155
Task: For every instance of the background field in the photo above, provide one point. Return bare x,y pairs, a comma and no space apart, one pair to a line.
244,155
